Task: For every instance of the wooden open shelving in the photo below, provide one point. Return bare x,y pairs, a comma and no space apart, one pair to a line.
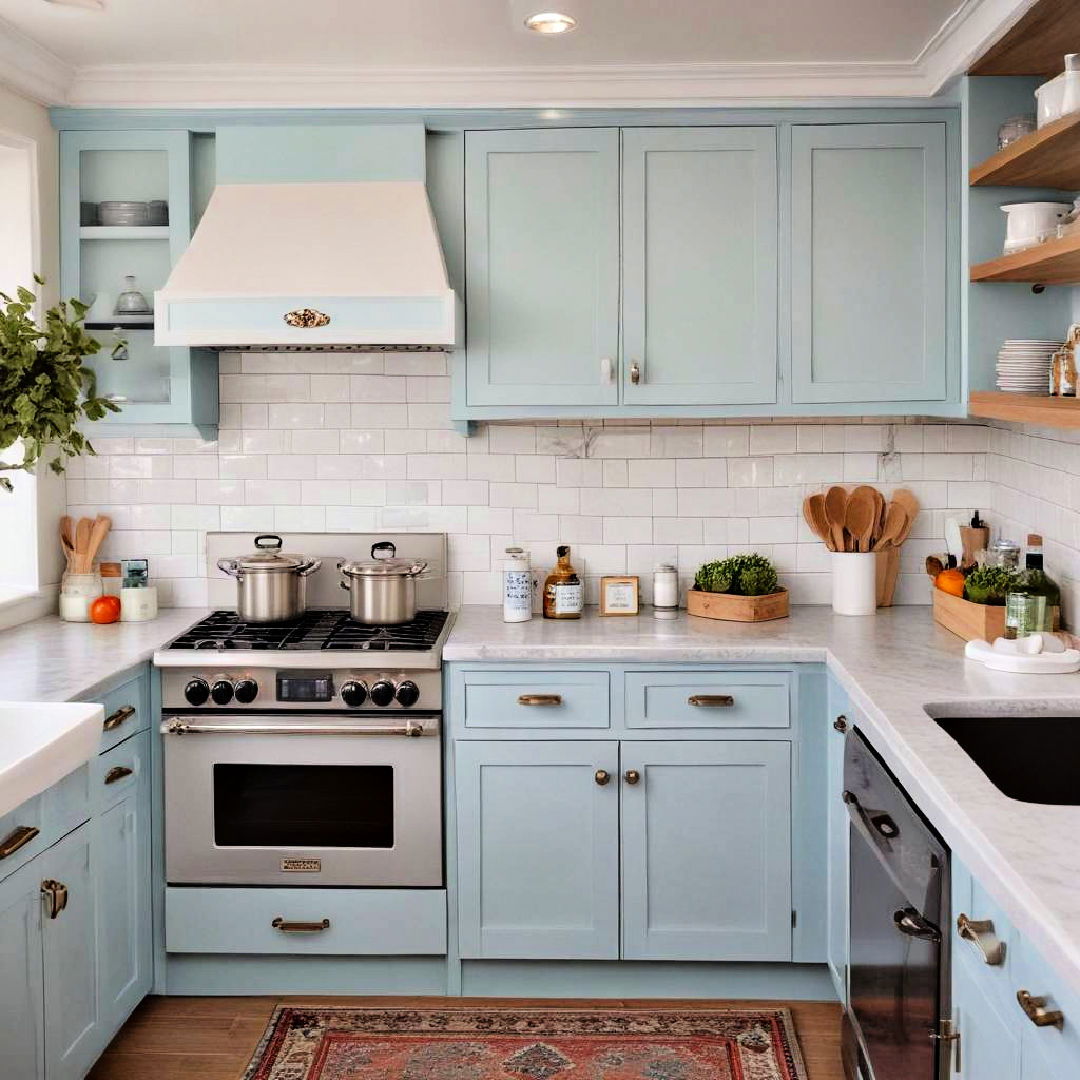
1036,409
1049,157
1056,262
1036,44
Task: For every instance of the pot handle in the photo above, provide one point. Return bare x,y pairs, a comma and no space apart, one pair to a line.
385,549
304,569
275,546
230,567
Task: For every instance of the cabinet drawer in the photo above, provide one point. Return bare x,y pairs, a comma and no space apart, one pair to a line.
393,922
536,699
115,773
1058,1046
711,699
126,712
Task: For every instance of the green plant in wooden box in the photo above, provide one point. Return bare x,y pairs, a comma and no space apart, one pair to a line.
46,389
740,588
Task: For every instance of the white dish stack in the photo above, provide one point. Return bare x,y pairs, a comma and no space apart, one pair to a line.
1024,366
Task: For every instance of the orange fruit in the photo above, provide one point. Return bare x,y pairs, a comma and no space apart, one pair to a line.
105,609
950,581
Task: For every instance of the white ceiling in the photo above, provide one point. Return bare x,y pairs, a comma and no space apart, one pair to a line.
474,52
478,33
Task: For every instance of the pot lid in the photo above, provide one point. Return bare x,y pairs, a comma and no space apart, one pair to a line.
383,564
268,556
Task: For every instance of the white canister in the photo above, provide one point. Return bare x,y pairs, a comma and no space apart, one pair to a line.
517,586
1030,223
138,604
854,582
665,587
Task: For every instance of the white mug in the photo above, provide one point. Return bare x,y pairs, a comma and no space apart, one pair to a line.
854,582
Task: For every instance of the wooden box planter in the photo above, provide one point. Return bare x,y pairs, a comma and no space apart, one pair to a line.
973,622
734,608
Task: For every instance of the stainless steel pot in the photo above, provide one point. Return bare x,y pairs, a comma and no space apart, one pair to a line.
270,586
382,592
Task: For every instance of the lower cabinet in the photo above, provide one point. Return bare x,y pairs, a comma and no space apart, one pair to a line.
837,831
22,1019
702,851
989,1044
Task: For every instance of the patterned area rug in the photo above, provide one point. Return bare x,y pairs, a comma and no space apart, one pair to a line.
527,1044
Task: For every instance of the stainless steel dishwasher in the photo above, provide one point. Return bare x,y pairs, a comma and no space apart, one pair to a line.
896,1025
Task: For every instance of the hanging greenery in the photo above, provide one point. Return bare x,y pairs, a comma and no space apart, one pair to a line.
46,389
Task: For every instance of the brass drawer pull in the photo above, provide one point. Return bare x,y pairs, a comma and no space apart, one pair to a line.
18,838
1036,1011
56,896
300,927
632,777
118,774
114,720
711,701
540,699
980,932
602,777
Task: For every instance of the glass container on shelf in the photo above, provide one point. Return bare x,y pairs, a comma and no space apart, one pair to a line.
131,301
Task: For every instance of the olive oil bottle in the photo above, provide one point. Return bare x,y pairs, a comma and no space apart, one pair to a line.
564,595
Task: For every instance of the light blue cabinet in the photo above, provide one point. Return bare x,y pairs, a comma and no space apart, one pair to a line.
699,278
69,947
836,817
22,1018
542,267
870,286
163,391
989,1041
706,850
538,844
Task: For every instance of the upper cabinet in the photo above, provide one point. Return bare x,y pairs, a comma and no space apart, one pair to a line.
542,267
801,265
869,266
159,390
699,234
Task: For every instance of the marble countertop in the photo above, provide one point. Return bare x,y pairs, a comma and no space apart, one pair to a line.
893,665
51,660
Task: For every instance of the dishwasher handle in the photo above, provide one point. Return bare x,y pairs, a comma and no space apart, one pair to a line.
914,924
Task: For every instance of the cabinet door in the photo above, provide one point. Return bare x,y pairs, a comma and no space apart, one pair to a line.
71,1014
542,267
989,1042
122,883
699,266
21,1016
706,851
837,846
869,263
538,842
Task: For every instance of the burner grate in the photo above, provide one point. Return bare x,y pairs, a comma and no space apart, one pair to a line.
316,630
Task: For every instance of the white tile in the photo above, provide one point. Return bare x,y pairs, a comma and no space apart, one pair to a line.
621,442
370,493
272,492
677,442
652,473
325,492
579,529
772,530
295,415
535,469
512,439
864,437
499,467
619,502
290,466
376,389
564,500
400,441
517,496
680,530
615,472
628,530
483,519
436,466
363,441
465,492
307,441
750,472
300,518
724,441
772,439
531,528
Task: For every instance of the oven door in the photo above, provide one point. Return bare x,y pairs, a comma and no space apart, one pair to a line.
303,799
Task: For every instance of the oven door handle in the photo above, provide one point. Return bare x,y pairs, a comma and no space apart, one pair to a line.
410,727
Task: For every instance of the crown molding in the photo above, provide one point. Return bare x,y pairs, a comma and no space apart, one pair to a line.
31,70
35,72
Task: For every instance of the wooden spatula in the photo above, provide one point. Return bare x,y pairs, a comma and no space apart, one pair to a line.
83,530
896,521
861,514
836,500
814,512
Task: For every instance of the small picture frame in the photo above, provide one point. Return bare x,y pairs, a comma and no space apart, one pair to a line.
619,595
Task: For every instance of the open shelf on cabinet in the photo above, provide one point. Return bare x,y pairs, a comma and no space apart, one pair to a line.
124,232
1036,44
1025,408
121,326
1056,262
1047,158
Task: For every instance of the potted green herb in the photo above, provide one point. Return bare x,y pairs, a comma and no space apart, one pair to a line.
46,390
740,588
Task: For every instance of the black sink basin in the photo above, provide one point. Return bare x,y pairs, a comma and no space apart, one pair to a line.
1034,759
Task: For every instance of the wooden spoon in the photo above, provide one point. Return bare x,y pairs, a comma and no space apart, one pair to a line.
896,520
908,501
814,512
82,542
100,530
881,511
836,500
861,514
67,538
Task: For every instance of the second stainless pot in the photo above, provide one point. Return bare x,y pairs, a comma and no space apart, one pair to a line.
382,592
270,586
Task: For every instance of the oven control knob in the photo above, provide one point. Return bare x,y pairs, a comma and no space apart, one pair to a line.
221,691
245,691
408,693
196,692
382,693
354,694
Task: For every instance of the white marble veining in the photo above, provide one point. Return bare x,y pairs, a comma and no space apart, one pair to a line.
893,664
50,660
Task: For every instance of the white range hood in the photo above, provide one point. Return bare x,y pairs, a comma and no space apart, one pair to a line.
314,263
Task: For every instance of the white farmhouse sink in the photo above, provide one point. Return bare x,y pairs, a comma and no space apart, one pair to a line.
41,742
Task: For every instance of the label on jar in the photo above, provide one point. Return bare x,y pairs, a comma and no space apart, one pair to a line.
517,590
569,597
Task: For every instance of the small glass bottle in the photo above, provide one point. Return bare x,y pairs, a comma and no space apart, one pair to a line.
517,586
665,591
111,578
1030,602
564,596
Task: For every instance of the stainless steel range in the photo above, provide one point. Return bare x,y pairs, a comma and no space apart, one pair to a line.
304,753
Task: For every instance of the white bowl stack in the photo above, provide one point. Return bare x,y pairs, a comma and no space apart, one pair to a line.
1024,366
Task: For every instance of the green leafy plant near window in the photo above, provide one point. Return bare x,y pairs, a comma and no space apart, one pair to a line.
46,389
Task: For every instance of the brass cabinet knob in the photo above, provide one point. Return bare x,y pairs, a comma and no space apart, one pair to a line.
55,895
980,932
118,773
543,700
18,838
1036,1011
602,777
635,373
632,776
840,724
287,927
711,701
114,720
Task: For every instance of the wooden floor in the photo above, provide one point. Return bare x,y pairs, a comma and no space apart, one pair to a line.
173,1038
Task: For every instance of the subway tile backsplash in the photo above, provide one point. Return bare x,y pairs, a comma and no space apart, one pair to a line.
336,442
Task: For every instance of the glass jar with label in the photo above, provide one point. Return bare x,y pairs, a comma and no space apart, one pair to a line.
517,586
77,593
564,593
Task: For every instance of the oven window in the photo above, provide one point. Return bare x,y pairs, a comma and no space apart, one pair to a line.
304,806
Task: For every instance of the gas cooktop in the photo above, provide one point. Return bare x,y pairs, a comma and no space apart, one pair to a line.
326,630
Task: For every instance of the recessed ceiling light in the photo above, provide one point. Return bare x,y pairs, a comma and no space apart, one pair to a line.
551,22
